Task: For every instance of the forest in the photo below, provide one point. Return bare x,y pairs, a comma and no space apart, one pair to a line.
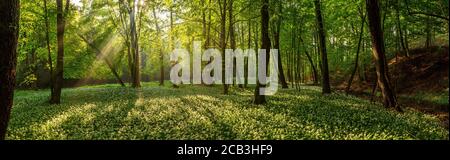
102,69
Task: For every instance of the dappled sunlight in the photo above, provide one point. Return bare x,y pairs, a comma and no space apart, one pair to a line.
197,112
140,98
107,49
53,128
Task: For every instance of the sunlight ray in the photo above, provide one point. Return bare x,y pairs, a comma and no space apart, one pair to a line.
106,53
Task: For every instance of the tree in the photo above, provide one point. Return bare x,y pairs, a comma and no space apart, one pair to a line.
172,33
161,53
59,76
231,32
400,30
261,99
277,32
326,89
49,51
223,4
378,51
313,67
128,11
9,31
136,83
350,81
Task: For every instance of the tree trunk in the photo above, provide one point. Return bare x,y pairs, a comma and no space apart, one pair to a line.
223,18
350,81
208,29
59,76
135,47
203,22
49,52
172,39
292,59
400,31
407,43
261,99
161,53
9,31
232,34
130,61
428,41
249,47
316,77
317,50
34,68
326,89
277,31
389,97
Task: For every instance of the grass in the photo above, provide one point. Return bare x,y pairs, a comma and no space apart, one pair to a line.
437,98
198,112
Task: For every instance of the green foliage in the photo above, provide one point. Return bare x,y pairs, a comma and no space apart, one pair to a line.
196,112
28,80
100,22
438,98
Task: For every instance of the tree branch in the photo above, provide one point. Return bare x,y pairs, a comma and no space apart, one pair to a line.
429,14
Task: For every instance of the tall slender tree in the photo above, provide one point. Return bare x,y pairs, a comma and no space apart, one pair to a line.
9,31
277,32
378,51
223,4
400,29
311,62
161,53
265,38
231,32
59,75
136,83
350,81
49,52
326,89
172,34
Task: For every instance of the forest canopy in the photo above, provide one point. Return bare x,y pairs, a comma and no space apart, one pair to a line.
102,25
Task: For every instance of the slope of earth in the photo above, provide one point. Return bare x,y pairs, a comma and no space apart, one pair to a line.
421,81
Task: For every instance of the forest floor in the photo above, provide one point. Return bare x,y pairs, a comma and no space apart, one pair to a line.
421,81
199,112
